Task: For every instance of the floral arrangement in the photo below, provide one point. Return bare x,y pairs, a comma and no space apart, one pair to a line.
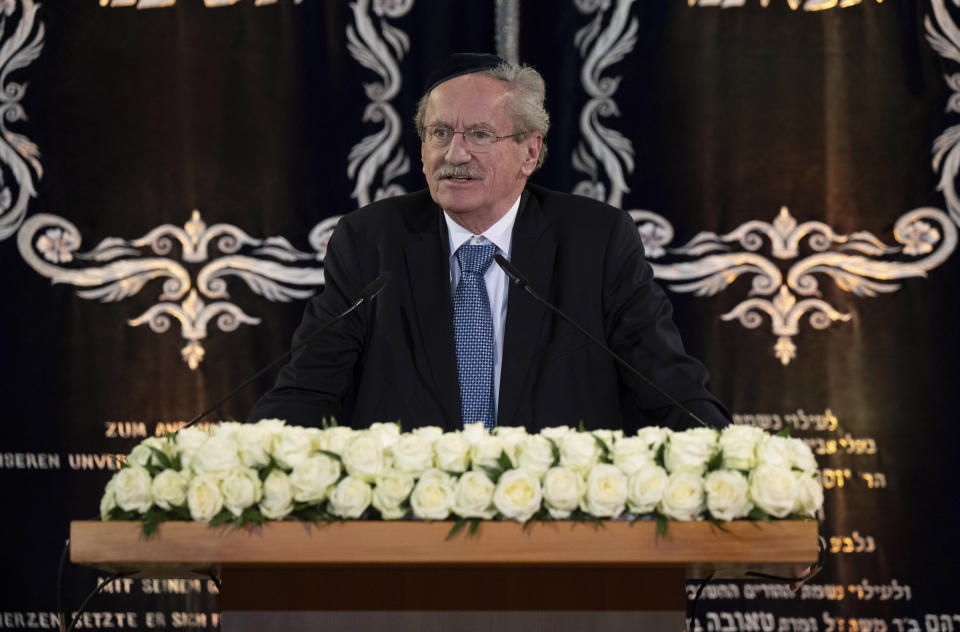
250,473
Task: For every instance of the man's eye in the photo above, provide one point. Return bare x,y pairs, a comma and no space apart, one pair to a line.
441,132
481,134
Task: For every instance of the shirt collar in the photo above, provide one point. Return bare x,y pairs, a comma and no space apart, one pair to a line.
501,233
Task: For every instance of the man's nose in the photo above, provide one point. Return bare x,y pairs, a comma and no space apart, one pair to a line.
458,152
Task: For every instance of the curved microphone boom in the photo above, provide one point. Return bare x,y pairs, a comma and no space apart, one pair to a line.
520,281
366,294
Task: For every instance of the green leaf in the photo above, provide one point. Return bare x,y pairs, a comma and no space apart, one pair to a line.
330,422
581,427
717,523
604,450
716,462
222,518
180,512
121,514
474,525
659,458
265,472
161,458
309,513
662,523
332,455
457,526
758,514
784,432
492,473
504,461
399,426
152,519
555,449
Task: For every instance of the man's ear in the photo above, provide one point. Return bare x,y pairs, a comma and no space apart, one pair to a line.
532,145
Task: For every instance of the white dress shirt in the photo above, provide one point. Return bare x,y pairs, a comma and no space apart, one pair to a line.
501,235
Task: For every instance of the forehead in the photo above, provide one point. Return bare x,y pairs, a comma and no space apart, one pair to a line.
468,100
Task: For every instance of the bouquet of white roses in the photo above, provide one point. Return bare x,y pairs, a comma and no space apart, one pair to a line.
249,473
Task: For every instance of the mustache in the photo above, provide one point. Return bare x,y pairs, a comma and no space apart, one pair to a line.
456,171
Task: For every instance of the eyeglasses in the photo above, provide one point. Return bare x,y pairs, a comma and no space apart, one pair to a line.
479,139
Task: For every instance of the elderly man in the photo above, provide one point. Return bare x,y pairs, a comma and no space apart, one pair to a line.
448,342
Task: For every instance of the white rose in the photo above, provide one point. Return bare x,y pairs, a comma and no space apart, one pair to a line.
253,443
142,454
809,495
486,452
277,499
273,426
387,433
535,453
579,450
556,432
511,437
452,452
475,432
291,446
204,498
739,446
562,490
606,492
631,454
132,489
311,479
683,496
609,437
776,451
774,489
518,495
226,429
430,434
241,488
169,489
801,456
432,496
335,439
109,500
391,491
216,457
412,453
364,458
654,437
690,451
188,442
350,498
473,496
645,488
727,497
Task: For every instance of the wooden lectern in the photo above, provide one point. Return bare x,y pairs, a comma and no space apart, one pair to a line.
409,576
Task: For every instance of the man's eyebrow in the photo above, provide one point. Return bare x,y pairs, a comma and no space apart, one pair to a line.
480,125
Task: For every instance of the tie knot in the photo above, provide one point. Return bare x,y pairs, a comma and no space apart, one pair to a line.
475,258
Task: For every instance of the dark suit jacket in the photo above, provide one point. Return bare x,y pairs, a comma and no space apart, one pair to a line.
395,358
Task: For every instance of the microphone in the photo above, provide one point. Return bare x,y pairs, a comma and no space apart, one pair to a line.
366,294
521,282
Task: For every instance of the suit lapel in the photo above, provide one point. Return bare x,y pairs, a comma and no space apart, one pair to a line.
428,270
533,251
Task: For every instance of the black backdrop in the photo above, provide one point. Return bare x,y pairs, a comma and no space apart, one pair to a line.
699,118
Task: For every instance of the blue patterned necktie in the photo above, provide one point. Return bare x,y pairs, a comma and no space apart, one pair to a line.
473,330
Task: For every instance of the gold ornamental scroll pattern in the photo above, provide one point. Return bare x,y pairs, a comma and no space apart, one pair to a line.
810,252
21,35
381,51
603,153
807,5
117,268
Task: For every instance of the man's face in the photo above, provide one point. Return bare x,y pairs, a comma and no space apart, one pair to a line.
490,178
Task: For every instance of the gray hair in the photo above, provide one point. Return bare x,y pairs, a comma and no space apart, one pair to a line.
525,105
